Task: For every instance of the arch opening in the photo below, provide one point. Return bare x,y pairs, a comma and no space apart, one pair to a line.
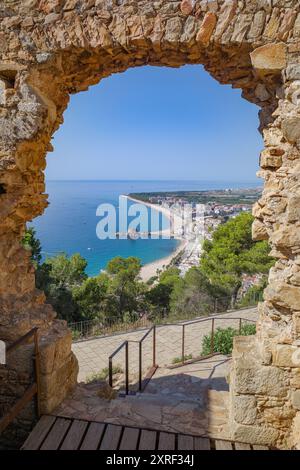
71,49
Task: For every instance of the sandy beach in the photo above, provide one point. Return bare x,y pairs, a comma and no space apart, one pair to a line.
150,269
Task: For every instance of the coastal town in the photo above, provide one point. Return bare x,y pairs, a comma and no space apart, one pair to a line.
194,216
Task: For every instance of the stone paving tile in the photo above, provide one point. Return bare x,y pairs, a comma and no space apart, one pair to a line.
94,353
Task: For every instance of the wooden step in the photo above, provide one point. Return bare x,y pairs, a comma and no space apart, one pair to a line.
58,433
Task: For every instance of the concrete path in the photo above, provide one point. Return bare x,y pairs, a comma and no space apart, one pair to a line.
93,354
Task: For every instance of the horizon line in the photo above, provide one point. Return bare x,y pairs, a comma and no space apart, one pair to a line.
154,180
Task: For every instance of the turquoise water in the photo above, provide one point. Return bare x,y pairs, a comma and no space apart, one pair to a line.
69,223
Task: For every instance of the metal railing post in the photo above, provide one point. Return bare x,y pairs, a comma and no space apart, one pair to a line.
212,339
126,368
183,345
154,345
110,372
140,366
240,327
37,370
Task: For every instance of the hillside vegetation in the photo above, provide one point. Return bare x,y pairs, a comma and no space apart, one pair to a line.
120,294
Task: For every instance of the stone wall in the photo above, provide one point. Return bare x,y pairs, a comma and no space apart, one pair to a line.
50,49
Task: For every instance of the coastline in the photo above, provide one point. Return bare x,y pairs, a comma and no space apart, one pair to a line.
163,210
150,269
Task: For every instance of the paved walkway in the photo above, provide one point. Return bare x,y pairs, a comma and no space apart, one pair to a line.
93,354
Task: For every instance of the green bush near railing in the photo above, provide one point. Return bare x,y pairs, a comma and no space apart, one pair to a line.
76,335
103,374
223,339
177,360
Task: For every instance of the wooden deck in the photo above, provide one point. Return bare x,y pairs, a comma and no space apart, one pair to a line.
56,433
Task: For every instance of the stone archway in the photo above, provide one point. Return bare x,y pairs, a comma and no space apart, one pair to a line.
52,48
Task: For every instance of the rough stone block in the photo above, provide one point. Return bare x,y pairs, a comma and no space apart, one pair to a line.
283,294
283,355
187,6
293,212
255,434
3,87
207,27
55,350
270,161
56,386
262,93
295,380
259,231
291,129
296,399
293,72
244,409
227,14
269,58
242,345
264,380
294,439
257,24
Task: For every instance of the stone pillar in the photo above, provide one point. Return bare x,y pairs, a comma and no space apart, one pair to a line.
23,146
265,376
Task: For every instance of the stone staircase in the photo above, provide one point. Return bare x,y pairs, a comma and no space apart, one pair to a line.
175,413
191,399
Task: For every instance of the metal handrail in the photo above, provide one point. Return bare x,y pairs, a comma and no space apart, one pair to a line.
110,366
213,320
154,365
140,346
109,325
118,349
202,320
100,327
33,389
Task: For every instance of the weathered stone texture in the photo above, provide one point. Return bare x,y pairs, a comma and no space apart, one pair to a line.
50,49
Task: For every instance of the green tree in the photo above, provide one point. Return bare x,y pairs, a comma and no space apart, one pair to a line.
67,271
160,294
125,292
170,276
129,267
57,277
61,298
90,296
159,298
233,252
31,243
194,294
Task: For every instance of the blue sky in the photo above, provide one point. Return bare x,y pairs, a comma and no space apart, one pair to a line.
158,123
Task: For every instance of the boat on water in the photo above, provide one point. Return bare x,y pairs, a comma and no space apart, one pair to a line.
133,234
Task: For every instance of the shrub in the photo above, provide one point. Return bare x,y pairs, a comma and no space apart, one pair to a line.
76,335
253,295
103,375
177,360
248,329
223,339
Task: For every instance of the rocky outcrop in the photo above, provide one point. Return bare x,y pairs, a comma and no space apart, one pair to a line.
52,48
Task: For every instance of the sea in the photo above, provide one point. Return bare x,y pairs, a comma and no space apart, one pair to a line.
69,223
